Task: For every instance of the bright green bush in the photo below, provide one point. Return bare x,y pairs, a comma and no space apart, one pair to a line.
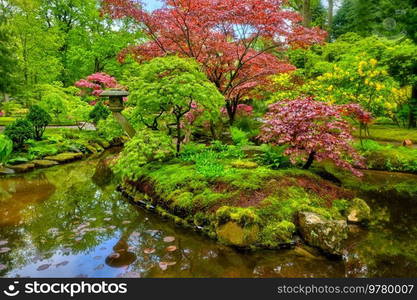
273,157
19,132
109,128
146,146
39,119
239,137
99,112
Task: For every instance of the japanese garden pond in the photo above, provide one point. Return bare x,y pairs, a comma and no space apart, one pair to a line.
70,221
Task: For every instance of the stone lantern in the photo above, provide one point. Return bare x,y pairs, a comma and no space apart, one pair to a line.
116,106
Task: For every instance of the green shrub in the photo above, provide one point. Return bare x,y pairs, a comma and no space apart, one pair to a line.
273,157
239,137
19,132
39,119
146,146
227,151
6,148
42,150
109,128
99,112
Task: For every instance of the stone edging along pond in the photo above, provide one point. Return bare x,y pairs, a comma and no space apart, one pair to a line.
58,159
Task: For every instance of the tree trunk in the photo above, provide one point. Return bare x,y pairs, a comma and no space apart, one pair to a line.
231,108
178,135
412,117
309,160
306,13
330,12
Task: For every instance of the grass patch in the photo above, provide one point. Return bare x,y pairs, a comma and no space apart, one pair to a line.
388,157
391,133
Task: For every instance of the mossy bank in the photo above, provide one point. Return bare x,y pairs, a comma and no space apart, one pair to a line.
249,206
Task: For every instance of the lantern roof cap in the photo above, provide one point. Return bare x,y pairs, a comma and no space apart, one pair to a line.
114,92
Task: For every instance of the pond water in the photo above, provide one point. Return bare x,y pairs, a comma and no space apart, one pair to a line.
69,221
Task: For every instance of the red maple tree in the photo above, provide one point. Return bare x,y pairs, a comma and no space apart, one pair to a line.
237,42
312,130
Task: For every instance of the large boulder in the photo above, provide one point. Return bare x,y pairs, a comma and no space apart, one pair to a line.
324,234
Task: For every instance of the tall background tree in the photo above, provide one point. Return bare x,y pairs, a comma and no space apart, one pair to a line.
7,58
57,42
394,20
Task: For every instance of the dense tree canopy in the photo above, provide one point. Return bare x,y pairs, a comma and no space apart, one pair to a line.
234,41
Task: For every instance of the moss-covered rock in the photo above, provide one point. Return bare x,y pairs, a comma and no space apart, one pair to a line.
239,215
359,211
22,168
65,157
322,233
234,234
276,234
43,163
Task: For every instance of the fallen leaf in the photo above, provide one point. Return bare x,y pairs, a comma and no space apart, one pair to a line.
126,222
4,250
107,219
171,248
99,267
148,250
169,239
163,265
43,267
2,243
135,234
2,267
61,264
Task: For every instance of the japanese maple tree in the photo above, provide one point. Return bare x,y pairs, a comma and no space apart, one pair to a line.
313,130
96,83
237,42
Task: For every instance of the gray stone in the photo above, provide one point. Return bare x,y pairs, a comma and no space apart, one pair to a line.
324,234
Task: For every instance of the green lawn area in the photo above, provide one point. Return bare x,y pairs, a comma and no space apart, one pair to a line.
391,133
7,120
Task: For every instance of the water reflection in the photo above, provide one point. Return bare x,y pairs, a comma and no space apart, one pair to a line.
68,221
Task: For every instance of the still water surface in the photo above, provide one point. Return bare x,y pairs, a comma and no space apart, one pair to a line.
69,221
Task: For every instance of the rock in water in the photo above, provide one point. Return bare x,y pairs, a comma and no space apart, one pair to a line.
44,163
23,167
319,232
359,211
233,234
65,157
